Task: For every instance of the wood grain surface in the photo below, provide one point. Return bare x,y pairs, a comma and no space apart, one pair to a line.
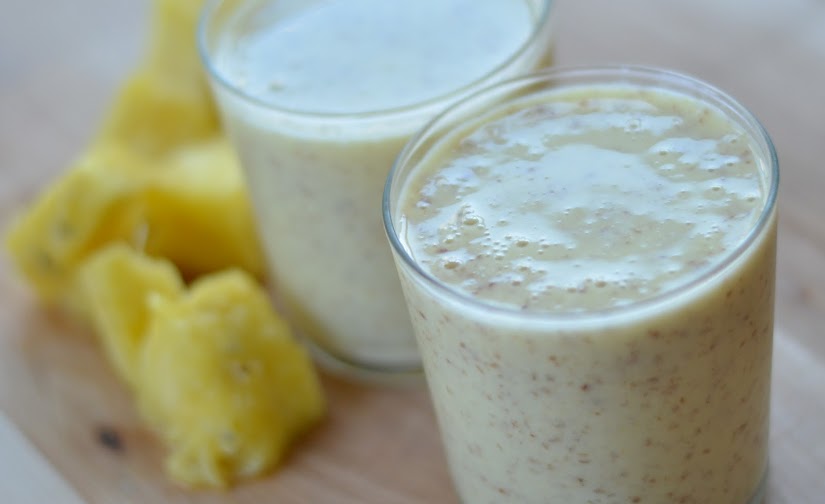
68,430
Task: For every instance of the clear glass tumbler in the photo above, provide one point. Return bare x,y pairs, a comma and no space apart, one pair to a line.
319,97
588,258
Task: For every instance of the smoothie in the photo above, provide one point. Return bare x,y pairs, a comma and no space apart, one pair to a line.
319,97
590,271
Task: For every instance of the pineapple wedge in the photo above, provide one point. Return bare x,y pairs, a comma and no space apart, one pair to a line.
190,207
117,285
154,114
173,47
167,101
197,212
223,382
91,205
160,176
159,195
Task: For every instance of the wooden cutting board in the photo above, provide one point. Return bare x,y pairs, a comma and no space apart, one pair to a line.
68,430
378,444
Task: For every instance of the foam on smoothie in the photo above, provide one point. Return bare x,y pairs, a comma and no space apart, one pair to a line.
584,200
344,57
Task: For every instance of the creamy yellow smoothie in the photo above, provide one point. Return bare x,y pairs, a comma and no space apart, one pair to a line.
319,97
589,264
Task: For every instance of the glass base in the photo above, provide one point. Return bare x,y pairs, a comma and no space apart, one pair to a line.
761,491
371,374
759,496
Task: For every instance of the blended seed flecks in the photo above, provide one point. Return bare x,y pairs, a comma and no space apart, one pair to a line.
577,201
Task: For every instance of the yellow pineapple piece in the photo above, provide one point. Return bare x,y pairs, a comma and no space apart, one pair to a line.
160,193
173,49
167,100
223,382
160,176
154,113
117,284
197,212
92,204
191,207
172,46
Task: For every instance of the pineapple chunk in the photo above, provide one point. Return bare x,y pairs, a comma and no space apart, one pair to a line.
213,369
160,176
167,101
191,207
117,284
154,114
89,206
198,214
223,382
173,47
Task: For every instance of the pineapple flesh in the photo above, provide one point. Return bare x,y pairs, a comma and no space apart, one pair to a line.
158,200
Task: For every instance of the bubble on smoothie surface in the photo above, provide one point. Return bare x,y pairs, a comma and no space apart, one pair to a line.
584,199
351,56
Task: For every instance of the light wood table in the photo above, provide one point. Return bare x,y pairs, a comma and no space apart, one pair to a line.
60,62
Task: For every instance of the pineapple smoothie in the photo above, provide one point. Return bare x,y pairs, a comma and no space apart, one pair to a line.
588,259
319,97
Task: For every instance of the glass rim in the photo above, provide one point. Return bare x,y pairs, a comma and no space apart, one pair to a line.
210,8
667,80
